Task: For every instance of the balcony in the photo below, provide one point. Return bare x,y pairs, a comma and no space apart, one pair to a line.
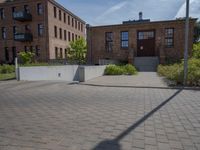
23,37
22,16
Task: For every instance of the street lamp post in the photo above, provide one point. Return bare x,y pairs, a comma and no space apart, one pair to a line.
186,42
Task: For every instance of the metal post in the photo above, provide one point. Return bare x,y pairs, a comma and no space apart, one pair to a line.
186,42
16,69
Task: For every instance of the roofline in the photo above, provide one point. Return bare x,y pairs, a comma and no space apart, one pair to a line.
138,23
62,7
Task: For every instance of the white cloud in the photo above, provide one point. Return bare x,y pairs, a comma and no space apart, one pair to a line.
194,9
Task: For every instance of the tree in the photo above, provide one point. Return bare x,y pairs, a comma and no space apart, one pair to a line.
197,32
77,51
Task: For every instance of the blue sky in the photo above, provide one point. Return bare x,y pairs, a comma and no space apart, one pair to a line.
102,12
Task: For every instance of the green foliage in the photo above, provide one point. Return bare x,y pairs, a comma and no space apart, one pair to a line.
7,76
175,72
26,57
5,69
77,51
120,70
196,50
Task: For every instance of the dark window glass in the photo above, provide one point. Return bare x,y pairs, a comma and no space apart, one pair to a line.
37,50
27,28
3,31
76,24
60,15
79,26
72,36
55,12
65,35
14,30
61,53
13,9
25,49
69,36
76,36
68,20
2,13
169,37
124,39
56,52
109,41
64,17
6,54
40,29
55,32
72,22
39,9
26,9
60,33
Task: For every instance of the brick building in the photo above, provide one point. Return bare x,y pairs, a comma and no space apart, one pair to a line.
138,38
41,26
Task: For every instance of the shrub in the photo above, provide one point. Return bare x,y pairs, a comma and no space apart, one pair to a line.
175,72
120,70
196,51
26,57
5,69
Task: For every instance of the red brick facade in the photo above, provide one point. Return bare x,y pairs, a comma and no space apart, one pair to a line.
46,16
97,42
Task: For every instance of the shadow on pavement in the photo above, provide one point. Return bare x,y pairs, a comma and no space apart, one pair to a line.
114,143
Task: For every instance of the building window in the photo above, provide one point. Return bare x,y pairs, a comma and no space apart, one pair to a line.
6,54
60,15
60,33
64,17
37,50
81,27
39,9
68,20
76,24
55,32
61,53
65,35
40,29
2,13
169,37
26,9
14,31
25,49
56,53
69,36
76,36
72,36
124,39
3,31
14,54
72,22
109,41
145,35
55,12
27,28
13,10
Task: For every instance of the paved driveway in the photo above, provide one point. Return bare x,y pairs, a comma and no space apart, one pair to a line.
58,116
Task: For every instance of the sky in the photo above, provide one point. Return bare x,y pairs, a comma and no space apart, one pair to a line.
104,12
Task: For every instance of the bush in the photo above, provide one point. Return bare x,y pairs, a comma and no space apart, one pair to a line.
5,69
26,57
196,50
175,72
120,70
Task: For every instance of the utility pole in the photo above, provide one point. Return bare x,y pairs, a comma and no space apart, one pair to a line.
186,41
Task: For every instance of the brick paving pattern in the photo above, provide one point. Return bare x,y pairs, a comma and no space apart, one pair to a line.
59,116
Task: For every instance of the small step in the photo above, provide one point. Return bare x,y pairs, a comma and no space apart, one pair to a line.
146,64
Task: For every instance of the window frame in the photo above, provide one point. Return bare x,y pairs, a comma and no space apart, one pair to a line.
2,14
55,11
40,28
40,9
108,42
169,36
7,55
3,32
60,32
124,40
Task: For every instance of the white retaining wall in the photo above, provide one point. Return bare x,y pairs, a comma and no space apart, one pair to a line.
62,73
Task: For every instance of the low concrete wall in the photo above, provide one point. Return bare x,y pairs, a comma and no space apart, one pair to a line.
90,72
62,73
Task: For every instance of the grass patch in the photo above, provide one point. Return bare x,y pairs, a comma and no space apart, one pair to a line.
120,70
7,76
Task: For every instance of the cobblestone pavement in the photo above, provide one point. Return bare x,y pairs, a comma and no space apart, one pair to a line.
59,116
145,79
